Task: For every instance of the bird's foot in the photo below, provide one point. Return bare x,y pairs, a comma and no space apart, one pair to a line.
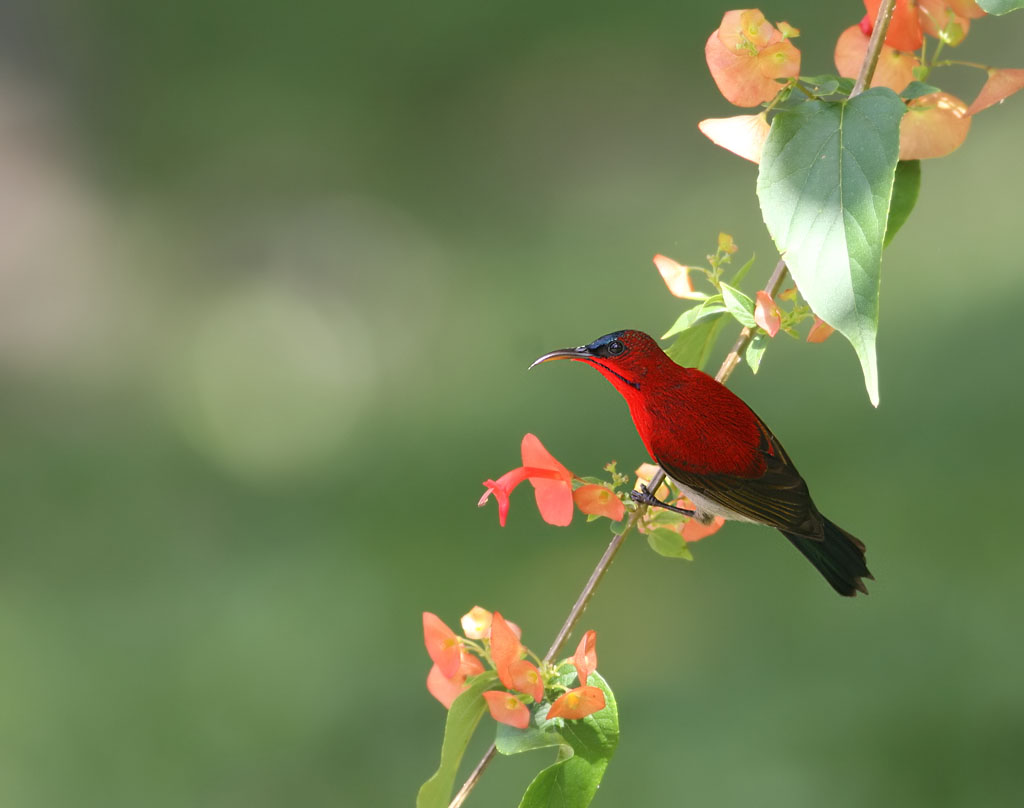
645,497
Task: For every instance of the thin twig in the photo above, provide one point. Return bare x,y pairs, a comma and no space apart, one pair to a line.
867,68
729,364
473,777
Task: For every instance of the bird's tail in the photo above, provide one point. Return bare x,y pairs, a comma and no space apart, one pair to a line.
838,556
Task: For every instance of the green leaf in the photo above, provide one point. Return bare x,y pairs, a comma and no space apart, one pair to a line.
824,183
822,85
693,347
755,350
584,748
665,518
463,716
743,270
739,305
668,543
620,526
1000,7
686,320
904,196
916,89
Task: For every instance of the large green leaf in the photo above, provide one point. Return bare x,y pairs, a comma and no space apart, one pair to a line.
584,748
1000,7
824,184
693,347
905,189
464,715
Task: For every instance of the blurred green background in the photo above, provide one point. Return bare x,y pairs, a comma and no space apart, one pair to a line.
269,283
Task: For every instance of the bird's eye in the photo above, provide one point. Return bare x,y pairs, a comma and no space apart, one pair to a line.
615,347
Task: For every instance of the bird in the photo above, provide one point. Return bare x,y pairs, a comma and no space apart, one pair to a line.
718,452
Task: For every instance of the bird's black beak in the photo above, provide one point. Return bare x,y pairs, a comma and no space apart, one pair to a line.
582,352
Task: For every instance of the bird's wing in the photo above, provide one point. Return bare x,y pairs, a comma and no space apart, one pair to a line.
778,498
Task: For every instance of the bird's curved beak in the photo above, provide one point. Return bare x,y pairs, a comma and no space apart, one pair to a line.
582,352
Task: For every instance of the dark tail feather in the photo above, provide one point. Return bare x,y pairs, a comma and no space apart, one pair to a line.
838,556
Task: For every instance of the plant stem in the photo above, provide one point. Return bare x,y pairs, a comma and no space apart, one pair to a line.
867,68
728,366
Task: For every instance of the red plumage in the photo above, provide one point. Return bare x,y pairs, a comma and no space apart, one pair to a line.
719,453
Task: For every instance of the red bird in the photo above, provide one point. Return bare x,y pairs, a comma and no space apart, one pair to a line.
719,453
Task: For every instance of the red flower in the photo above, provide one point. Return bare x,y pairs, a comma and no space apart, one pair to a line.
904,28
552,484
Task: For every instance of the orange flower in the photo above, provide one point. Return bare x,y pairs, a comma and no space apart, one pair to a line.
524,677
585,658
677,276
933,126
442,644
820,331
743,135
600,500
766,314
446,689
745,56
695,530
895,69
905,27
505,648
1002,82
578,703
507,709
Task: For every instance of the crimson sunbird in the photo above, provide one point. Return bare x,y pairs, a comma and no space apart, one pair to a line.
718,452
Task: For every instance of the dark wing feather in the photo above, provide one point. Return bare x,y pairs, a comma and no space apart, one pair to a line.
778,498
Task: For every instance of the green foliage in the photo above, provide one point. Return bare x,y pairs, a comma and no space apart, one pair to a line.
1000,7
693,347
584,748
827,84
739,305
916,89
713,305
755,350
668,543
905,189
465,713
825,181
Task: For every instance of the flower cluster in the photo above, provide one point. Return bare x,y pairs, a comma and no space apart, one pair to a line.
492,639
555,487
763,311
753,62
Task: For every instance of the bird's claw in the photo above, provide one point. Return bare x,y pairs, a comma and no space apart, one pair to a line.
645,497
